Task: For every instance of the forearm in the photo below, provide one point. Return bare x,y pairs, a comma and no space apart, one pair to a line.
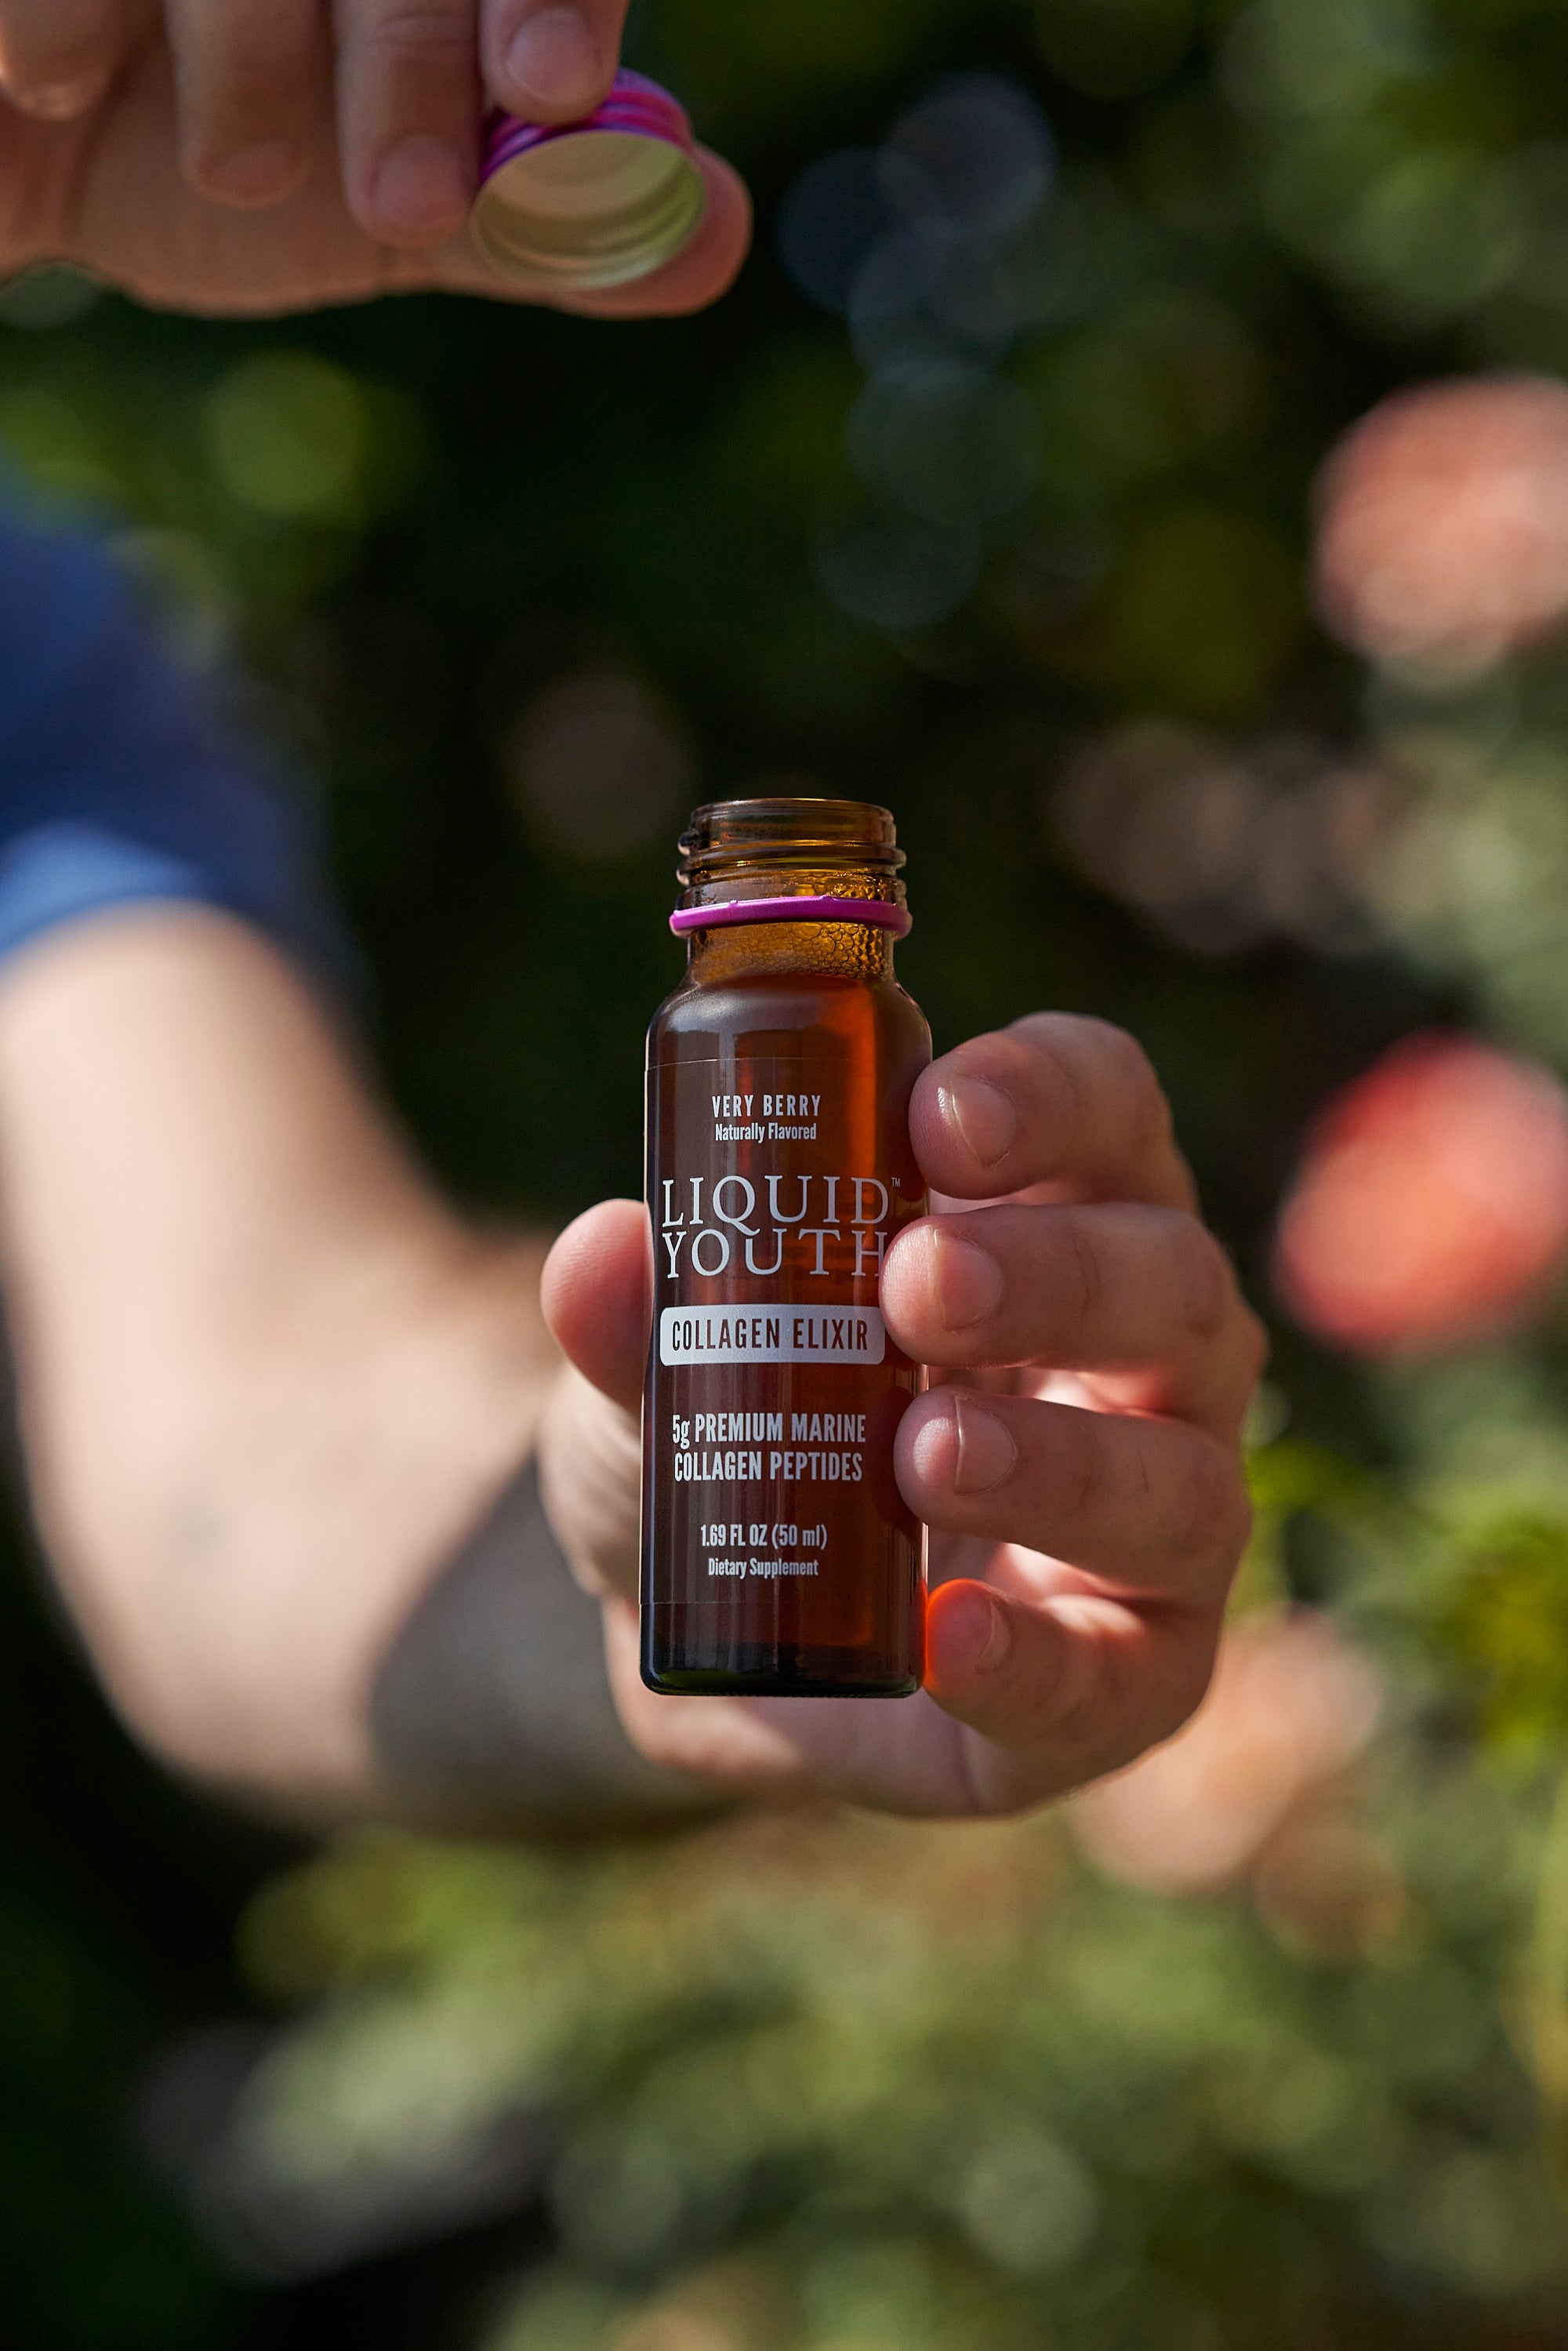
271,1389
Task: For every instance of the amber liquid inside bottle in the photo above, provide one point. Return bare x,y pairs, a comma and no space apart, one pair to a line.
778,1555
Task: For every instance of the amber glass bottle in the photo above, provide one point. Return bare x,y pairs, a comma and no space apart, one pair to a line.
778,1556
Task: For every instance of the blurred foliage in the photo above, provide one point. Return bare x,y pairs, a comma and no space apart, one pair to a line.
857,2082
1508,1626
993,504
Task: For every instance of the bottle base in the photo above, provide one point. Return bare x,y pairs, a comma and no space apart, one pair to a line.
766,1671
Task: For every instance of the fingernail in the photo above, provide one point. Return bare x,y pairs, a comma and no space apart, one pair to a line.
986,1453
251,175
974,1631
985,1119
59,101
420,187
962,1448
556,59
969,1281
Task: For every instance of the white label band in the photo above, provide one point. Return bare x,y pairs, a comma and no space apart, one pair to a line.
771,1334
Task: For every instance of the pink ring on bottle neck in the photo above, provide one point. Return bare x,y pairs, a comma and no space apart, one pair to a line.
877,913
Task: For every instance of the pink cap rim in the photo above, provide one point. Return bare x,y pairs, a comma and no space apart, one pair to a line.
878,914
632,104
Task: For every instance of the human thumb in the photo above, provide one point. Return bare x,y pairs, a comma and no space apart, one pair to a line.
596,1291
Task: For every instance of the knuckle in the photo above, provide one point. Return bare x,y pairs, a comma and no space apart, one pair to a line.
1076,1718
1082,1276
1128,1060
253,74
1059,1067
1080,1472
1149,1716
1111,1725
1181,1695
1209,1511
1149,1114
417,35
1100,1067
1131,1075
1206,1287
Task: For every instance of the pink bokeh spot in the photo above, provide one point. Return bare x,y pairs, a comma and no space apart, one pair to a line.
1443,523
1431,1204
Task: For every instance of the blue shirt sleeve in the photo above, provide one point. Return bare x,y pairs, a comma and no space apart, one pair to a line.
123,779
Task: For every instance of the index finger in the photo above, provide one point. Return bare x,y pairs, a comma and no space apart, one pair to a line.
1058,1099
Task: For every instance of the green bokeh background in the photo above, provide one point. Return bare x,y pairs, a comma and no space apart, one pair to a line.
411,522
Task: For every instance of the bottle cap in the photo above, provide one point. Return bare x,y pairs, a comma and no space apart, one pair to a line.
571,208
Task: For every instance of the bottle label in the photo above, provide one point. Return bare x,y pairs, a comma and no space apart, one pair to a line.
786,1334
775,1390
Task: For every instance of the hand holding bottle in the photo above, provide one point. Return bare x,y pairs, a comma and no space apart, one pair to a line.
1077,1457
238,156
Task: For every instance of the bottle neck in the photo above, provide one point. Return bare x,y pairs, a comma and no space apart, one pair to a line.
836,857
737,951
